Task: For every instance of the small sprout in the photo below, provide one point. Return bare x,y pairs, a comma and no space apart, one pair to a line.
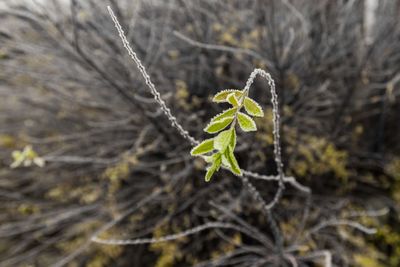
26,158
246,123
225,141
223,95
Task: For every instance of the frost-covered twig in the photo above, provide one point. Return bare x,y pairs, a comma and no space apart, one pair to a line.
220,47
276,125
149,83
139,241
287,179
335,222
253,191
191,139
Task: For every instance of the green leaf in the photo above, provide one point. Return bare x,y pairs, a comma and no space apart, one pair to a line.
210,172
233,140
223,95
246,122
211,158
233,100
216,126
17,155
214,167
227,113
252,107
222,140
234,166
225,161
204,147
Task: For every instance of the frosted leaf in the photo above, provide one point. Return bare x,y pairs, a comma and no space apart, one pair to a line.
204,147
213,168
227,113
223,139
223,95
234,166
233,100
246,123
216,126
233,140
252,107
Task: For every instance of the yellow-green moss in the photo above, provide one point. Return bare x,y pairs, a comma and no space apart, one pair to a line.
169,252
311,155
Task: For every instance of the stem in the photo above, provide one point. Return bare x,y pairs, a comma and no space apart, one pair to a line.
241,103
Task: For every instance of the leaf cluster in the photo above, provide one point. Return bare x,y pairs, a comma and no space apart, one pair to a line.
219,150
26,158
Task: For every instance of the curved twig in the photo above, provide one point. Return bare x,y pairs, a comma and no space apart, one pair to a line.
184,133
221,47
174,123
140,241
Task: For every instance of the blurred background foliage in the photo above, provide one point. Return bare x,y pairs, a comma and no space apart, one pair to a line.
71,98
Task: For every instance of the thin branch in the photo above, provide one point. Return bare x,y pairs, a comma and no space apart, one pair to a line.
140,241
353,224
149,83
223,48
